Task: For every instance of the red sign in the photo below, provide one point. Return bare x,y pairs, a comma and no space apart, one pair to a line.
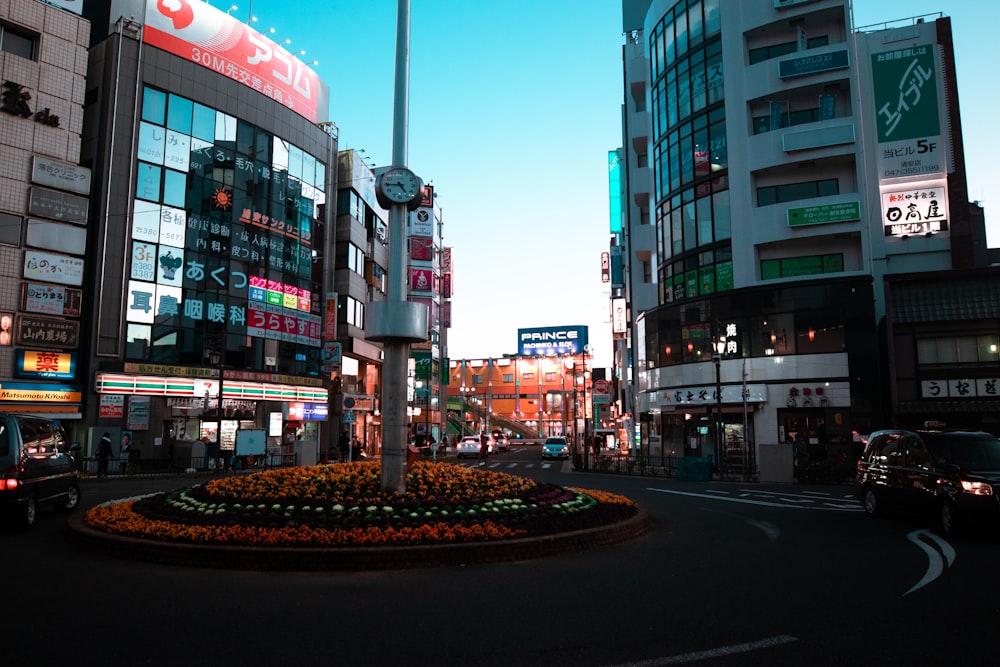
421,248
211,38
112,406
602,387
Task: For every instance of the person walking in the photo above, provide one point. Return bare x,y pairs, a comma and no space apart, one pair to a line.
484,448
343,446
103,454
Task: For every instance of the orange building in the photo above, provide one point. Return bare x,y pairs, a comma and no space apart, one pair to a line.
533,396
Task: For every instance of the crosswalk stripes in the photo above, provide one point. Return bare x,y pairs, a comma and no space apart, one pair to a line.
545,465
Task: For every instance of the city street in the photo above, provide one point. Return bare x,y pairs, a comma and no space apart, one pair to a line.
730,574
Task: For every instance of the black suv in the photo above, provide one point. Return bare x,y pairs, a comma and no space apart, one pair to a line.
37,468
953,476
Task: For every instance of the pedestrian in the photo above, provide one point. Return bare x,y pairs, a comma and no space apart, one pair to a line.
103,454
484,448
800,456
125,451
356,450
343,446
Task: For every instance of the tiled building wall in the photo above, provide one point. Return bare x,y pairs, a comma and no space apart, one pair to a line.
55,80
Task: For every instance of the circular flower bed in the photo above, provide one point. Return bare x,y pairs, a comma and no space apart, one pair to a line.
343,505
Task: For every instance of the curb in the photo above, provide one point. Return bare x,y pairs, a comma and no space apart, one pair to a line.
297,559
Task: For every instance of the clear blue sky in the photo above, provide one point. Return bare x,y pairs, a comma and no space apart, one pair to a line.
513,107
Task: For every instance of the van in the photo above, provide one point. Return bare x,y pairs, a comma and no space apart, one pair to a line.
37,468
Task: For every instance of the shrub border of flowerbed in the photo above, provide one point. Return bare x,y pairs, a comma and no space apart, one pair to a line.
356,558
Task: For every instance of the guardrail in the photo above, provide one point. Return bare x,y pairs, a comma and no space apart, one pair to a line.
88,467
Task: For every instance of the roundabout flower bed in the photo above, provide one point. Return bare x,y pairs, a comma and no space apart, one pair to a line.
342,506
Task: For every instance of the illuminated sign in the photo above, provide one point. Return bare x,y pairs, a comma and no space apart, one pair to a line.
44,364
915,208
552,340
209,37
23,391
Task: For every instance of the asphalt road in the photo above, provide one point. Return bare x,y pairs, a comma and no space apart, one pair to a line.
730,574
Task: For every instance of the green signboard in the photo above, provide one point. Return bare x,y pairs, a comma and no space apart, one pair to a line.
906,95
823,62
825,213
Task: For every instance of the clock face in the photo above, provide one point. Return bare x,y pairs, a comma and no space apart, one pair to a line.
400,185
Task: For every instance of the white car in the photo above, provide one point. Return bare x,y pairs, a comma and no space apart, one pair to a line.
469,446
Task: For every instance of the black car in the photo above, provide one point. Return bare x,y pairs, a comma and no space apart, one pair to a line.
950,475
37,468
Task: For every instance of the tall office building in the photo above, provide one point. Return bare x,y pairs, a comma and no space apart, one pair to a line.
44,195
780,163
210,232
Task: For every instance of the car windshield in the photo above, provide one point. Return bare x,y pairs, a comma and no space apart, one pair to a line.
976,453
555,441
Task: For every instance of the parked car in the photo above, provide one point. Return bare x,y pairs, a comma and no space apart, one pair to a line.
37,468
555,448
950,475
469,446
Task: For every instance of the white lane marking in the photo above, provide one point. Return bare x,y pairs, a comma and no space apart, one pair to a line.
512,465
935,564
769,529
713,653
753,502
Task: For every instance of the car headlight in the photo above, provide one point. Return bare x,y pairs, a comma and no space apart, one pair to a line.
977,488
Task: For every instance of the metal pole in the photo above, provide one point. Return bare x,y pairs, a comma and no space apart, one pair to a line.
397,347
717,358
746,433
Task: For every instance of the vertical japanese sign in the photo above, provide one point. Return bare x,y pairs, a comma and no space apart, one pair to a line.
907,112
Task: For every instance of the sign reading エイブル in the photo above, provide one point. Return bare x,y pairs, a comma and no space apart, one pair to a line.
907,112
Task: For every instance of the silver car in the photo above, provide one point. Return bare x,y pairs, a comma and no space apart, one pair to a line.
469,446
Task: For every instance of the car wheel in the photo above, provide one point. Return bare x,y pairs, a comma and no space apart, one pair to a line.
873,506
72,499
948,519
29,512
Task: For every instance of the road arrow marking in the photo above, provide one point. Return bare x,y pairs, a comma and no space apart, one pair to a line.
935,564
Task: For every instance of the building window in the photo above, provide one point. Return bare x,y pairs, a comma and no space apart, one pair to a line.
356,259
779,194
355,314
18,41
10,229
958,350
762,124
790,267
763,53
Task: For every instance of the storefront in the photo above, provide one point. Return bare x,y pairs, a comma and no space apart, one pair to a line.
176,420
